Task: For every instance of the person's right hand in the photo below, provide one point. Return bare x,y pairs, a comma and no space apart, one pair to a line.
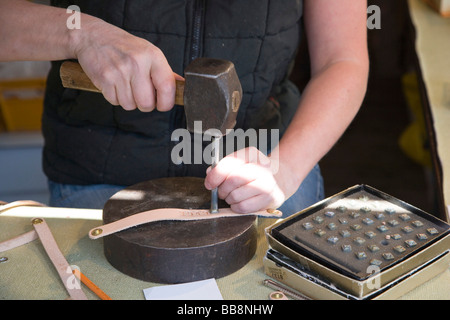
130,71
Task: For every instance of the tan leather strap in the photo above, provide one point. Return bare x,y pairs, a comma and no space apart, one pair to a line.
24,238
171,214
59,261
28,203
18,241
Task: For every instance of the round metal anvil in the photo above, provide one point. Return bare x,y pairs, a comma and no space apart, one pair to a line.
176,251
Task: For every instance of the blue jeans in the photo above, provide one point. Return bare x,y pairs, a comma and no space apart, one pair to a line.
310,191
95,196
81,196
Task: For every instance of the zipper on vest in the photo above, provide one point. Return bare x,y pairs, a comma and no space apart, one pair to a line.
197,29
194,50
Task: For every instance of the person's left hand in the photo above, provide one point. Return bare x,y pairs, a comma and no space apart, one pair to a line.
246,180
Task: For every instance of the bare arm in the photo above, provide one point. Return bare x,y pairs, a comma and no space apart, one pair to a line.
130,71
29,30
336,32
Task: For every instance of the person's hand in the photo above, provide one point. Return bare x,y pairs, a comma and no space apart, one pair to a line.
249,181
130,71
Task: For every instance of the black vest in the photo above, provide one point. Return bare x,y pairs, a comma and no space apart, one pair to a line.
89,141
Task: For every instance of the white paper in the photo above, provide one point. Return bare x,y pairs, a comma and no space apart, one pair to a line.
198,290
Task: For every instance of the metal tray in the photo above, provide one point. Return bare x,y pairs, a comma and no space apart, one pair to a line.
295,276
359,230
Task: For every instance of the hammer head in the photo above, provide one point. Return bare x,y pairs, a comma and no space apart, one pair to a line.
212,94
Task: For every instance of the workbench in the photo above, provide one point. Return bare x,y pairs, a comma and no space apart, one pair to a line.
432,44
29,274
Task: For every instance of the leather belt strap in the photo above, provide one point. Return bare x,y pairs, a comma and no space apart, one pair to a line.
19,203
24,238
62,266
18,241
171,214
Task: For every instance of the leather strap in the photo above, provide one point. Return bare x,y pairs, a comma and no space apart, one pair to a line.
171,214
33,235
18,241
29,203
59,261
24,238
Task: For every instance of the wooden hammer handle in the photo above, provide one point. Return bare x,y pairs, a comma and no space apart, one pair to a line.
73,77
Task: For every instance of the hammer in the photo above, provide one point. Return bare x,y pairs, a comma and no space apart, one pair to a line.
211,93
